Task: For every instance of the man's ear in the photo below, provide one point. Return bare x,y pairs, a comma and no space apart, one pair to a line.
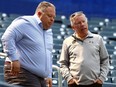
73,28
39,14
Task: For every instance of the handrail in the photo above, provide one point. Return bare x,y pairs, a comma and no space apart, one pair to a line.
59,75
3,54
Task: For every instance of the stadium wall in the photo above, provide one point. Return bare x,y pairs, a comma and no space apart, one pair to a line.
100,8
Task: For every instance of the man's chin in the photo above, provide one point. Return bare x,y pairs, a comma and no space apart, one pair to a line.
46,28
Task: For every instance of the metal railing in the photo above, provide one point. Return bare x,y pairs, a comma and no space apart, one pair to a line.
3,54
59,75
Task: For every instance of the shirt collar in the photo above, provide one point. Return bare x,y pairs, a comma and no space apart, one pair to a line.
90,35
38,20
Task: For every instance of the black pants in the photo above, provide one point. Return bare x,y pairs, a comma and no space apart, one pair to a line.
92,85
24,78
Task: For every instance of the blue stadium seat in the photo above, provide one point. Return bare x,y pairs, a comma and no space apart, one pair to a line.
113,79
57,46
108,79
113,73
113,43
113,57
1,68
113,62
1,62
109,85
2,77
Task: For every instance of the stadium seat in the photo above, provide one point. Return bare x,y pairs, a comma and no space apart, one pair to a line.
113,79
108,79
57,46
109,85
110,51
55,74
1,77
113,62
111,67
1,69
69,31
113,57
113,73
1,61
113,43
109,47
58,41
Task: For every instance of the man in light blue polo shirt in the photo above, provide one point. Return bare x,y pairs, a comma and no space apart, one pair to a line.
28,43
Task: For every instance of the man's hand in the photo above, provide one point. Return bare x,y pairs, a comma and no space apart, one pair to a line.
72,81
49,82
98,81
15,67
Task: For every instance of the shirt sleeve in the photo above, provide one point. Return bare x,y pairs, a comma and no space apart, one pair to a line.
10,39
50,74
49,48
104,61
64,63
